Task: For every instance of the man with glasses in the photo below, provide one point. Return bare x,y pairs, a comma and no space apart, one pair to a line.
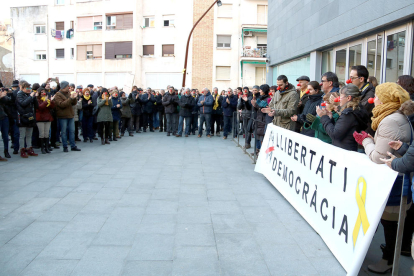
330,83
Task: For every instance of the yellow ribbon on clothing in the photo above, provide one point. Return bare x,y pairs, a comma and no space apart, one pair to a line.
362,215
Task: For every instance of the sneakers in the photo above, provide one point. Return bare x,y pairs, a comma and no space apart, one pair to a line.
3,159
75,149
224,137
381,267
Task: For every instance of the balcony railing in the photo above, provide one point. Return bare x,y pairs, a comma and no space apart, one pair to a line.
259,52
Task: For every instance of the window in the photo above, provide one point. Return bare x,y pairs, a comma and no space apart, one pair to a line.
223,72
148,50
40,29
90,23
260,75
115,50
340,64
119,21
40,55
327,57
354,56
395,56
374,54
72,53
60,26
60,2
72,25
168,20
262,14
89,52
223,41
168,50
225,10
60,53
149,22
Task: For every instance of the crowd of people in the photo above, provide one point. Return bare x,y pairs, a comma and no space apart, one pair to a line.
361,115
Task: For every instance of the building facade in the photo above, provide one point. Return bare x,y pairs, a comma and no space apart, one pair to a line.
135,42
320,36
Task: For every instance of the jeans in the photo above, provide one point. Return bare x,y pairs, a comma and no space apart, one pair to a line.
87,127
67,125
194,122
4,128
207,119
187,125
175,122
148,120
228,120
26,132
171,122
156,119
163,120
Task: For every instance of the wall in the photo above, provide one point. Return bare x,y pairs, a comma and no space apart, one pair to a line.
316,24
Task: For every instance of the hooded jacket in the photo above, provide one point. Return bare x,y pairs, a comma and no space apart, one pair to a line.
207,106
341,131
285,105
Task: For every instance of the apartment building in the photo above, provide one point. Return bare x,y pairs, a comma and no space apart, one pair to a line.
134,42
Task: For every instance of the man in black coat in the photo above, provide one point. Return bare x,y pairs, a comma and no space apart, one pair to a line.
186,103
161,112
168,101
135,109
194,113
148,101
11,110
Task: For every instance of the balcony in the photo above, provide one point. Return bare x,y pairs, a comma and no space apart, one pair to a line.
250,52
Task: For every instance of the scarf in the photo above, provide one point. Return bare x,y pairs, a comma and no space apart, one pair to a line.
87,97
45,99
382,111
216,104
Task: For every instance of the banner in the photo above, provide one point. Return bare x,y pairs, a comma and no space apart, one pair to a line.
341,194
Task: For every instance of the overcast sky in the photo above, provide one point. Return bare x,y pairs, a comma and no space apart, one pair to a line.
5,10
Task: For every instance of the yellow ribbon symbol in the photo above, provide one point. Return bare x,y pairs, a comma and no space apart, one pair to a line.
362,215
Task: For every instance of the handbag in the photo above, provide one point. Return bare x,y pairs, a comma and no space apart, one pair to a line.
27,119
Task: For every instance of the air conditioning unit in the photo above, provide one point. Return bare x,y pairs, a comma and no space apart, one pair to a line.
247,33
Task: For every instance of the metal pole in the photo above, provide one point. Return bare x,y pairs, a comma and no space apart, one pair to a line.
188,42
238,136
400,230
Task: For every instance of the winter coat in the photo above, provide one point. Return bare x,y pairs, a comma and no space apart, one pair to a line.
196,107
43,112
229,108
94,97
261,117
245,106
320,132
342,131
219,109
126,109
285,104
168,102
207,106
368,92
300,108
116,111
3,103
64,103
159,106
405,164
76,107
310,108
148,103
87,108
135,103
26,106
105,114
186,104
10,107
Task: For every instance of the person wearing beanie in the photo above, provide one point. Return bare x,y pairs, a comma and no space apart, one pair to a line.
26,105
65,100
87,118
229,105
389,124
104,118
245,106
260,104
352,118
116,105
44,118
283,104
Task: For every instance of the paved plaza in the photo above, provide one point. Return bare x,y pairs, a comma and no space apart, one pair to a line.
155,205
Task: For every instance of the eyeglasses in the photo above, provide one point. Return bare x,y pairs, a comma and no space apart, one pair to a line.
352,78
324,80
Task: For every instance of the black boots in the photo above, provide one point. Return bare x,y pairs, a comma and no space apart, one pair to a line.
42,145
6,154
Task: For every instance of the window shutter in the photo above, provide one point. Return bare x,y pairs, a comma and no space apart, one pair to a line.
148,50
223,40
97,50
60,53
85,23
110,50
262,40
123,48
128,21
81,55
97,18
167,50
119,22
225,10
60,26
223,72
261,14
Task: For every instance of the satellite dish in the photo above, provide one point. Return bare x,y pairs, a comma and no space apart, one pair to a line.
10,31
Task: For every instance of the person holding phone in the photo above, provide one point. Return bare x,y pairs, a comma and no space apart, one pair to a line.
44,118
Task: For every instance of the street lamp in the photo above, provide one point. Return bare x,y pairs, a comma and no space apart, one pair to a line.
188,41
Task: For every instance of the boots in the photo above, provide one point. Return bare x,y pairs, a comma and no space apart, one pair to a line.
30,152
103,141
42,145
114,139
3,159
48,146
23,153
6,154
381,267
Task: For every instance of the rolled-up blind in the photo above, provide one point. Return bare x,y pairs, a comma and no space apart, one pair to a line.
167,50
81,55
119,22
97,51
97,18
60,26
148,50
117,48
85,23
261,40
128,21
60,53
223,72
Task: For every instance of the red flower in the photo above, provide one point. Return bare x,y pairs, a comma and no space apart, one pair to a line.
371,100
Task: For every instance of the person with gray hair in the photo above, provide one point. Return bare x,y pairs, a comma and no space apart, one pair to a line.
205,103
168,102
186,103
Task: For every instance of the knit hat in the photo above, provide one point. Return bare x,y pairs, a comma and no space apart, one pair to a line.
246,88
351,90
64,84
72,85
90,85
35,86
79,87
15,83
104,90
264,88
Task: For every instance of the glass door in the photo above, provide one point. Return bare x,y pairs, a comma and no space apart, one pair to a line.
340,64
396,54
374,56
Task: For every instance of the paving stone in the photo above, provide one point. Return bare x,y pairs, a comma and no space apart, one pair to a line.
148,268
152,247
50,267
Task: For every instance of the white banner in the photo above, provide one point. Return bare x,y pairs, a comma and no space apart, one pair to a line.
341,194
